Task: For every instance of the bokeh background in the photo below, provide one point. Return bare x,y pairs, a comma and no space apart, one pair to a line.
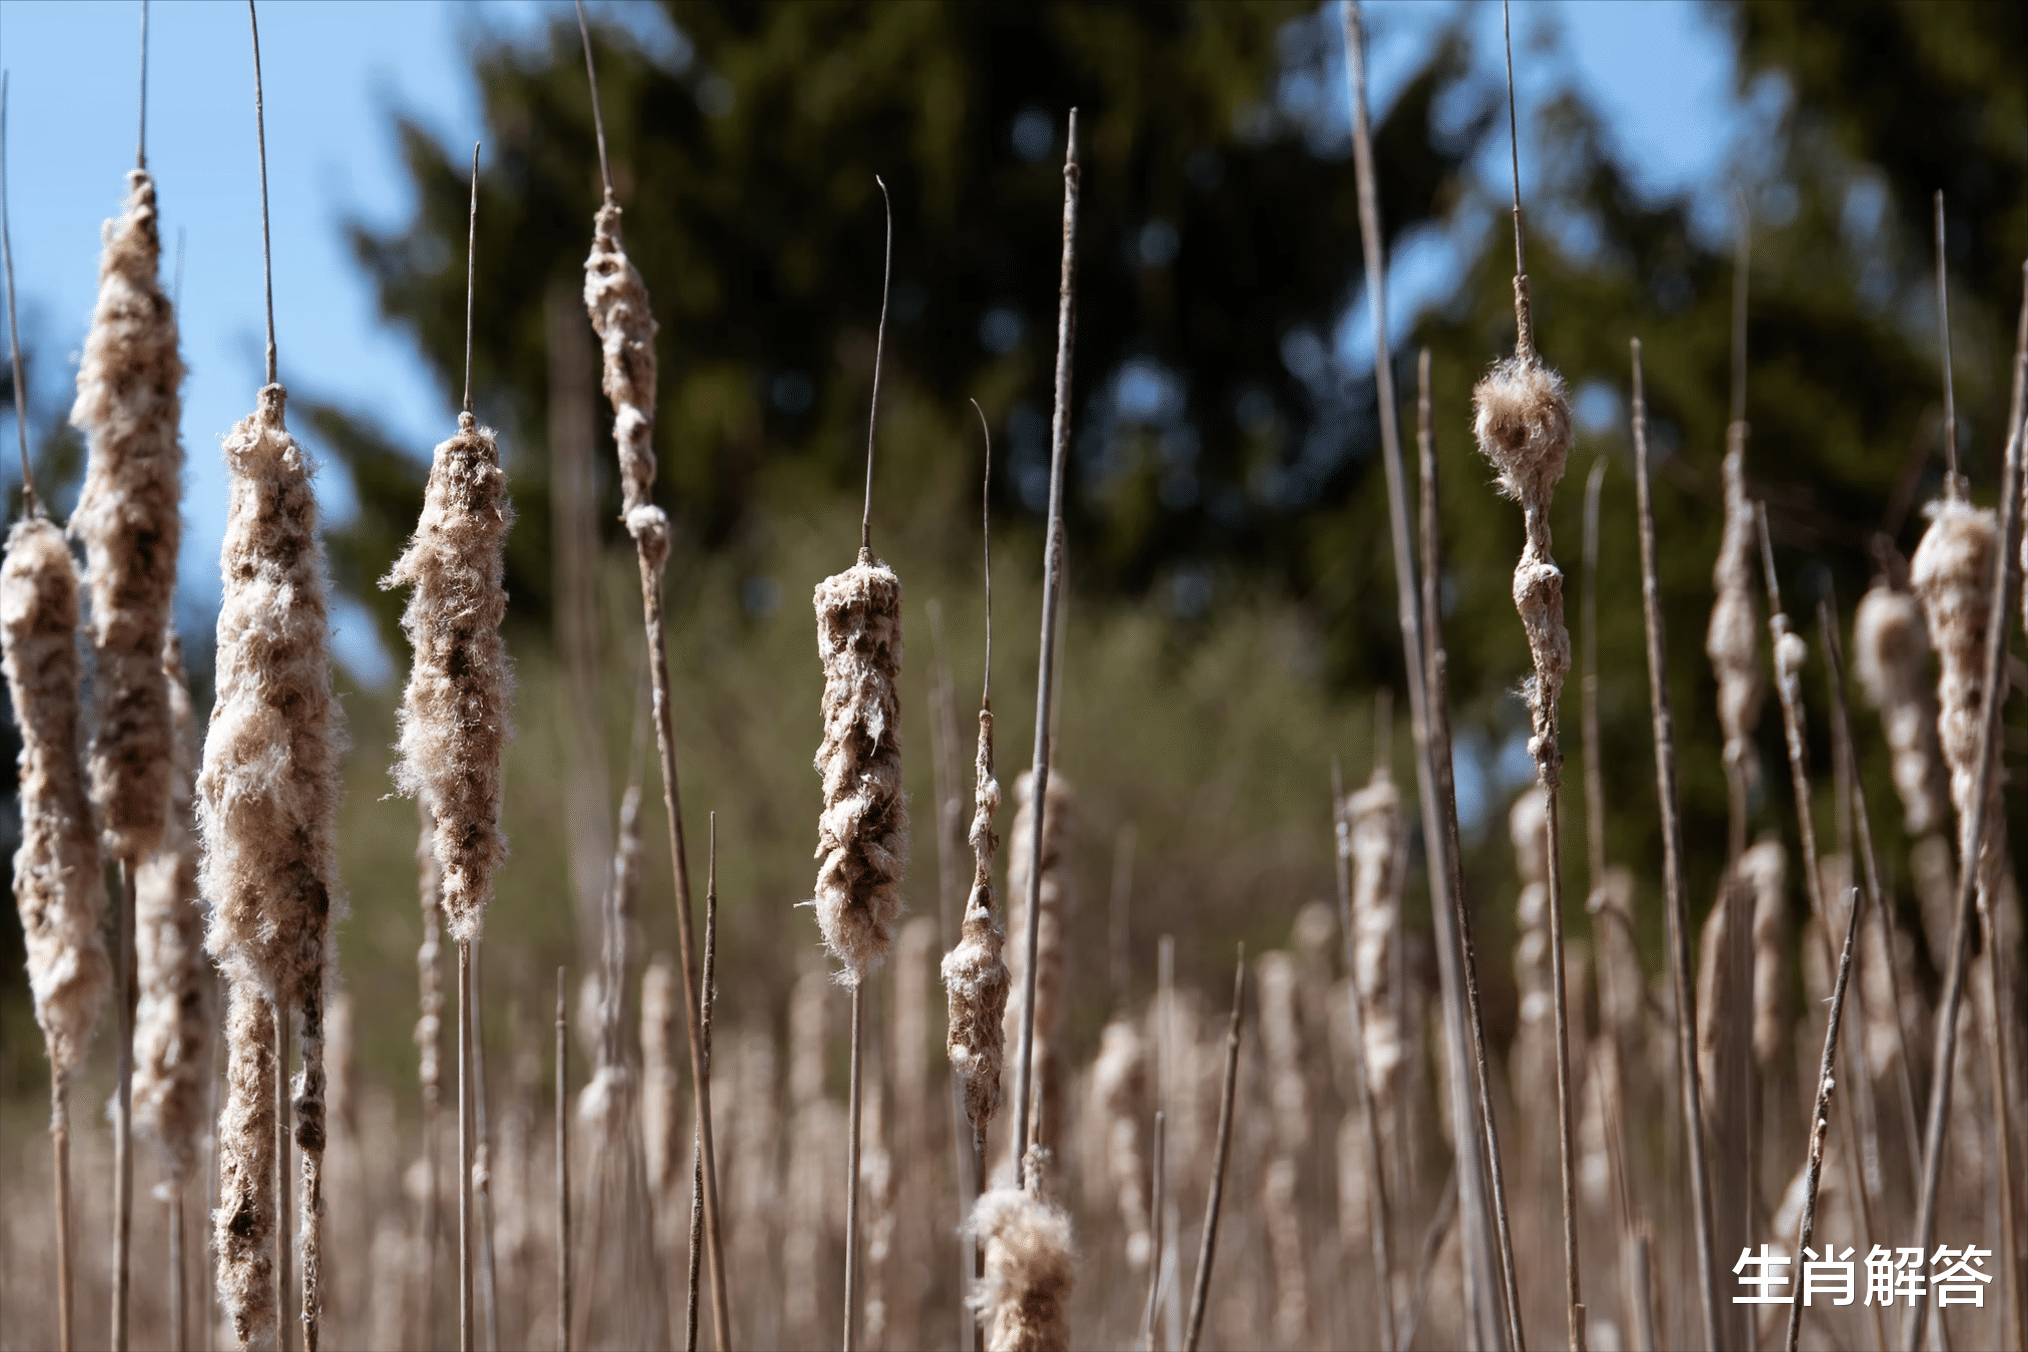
1231,620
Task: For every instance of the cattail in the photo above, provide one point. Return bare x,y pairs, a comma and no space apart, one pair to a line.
1890,656
1733,638
1030,1270
862,836
1370,836
1119,1088
1952,572
661,1123
173,1022
1764,871
129,407
57,887
268,794
1527,826
246,1215
454,714
1052,952
975,972
1289,1117
617,299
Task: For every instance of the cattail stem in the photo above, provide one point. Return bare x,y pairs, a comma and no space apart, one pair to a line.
1435,665
1681,975
1559,999
1052,580
482,1184
1432,1242
710,994
1208,1249
1155,1205
562,1168
126,994
59,1147
852,1132
1363,1089
178,1319
1972,830
465,1330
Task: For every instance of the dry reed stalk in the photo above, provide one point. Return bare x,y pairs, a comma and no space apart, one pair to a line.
810,1210
1506,1306
1288,1094
617,300
1047,889
1155,1211
1435,791
562,1130
1690,1093
175,1016
1208,1249
128,406
428,1039
1975,803
1028,957
1119,1088
1521,419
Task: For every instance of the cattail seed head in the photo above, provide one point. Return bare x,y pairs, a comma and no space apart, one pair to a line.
1952,572
1030,1270
57,887
1890,656
618,301
454,713
661,1123
129,406
975,972
173,1021
267,798
1733,638
1371,836
1119,1087
1764,868
1522,421
862,836
244,1223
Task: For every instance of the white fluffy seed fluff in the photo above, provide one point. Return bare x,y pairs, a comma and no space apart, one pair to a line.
1049,1076
1371,834
1764,868
129,405
57,886
1732,641
862,835
1119,1088
174,1019
1890,656
1952,572
1521,418
454,713
975,972
1030,1271
267,800
617,299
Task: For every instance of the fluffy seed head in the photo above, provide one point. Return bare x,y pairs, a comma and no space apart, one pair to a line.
1952,572
1521,418
455,711
1119,1088
975,972
1890,656
618,301
173,1021
1372,837
1733,638
244,1224
267,799
862,836
57,887
1765,870
128,405
1030,1270
661,1126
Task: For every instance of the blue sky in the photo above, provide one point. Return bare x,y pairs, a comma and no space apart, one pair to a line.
335,75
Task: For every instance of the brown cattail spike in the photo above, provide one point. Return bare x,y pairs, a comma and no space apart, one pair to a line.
245,1219
128,405
618,301
1031,1267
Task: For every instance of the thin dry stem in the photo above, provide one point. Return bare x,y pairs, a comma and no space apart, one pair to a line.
1201,1287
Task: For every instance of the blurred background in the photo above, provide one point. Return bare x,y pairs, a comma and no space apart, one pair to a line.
1231,625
